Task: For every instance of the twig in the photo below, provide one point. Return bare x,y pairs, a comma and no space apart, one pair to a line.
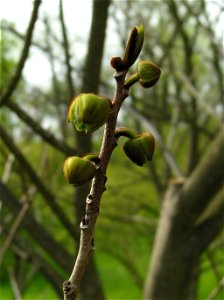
71,287
19,219
213,264
47,136
14,284
26,199
71,87
37,231
47,195
24,55
217,290
8,168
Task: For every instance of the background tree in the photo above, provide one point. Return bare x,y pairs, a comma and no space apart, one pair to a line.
184,112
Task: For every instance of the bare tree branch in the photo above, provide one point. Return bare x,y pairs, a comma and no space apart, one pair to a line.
47,136
37,231
70,83
217,290
26,199
7,168
205,181
14,284
17,223
47,195
24,55
53,275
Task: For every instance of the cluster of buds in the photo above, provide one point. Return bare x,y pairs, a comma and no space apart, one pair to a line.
88,112
139,148
147,72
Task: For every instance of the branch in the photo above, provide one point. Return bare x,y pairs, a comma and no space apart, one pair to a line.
205,181
8,27
71,87
7,168
204,233
195,94
14,284
37,231
16,224
47,136
47,195
217,290
24,55
71,287
52,274
213,264
26,199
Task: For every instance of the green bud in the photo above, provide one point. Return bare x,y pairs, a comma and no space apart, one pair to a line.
140,149
79,170
147,142
133,151
149,73
88,112
134,46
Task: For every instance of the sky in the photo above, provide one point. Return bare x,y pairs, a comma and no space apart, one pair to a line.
77,17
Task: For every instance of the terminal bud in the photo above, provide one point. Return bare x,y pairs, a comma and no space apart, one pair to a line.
134,46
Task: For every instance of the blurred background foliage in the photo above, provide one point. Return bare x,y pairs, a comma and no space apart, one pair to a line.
184,111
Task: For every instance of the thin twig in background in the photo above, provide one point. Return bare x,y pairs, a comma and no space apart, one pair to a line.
216,290
213,264
45,135
42,188
8,168
14,284
70,83
26,199
24,55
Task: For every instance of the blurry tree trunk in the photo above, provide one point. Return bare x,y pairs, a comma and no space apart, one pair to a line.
184,233
91,287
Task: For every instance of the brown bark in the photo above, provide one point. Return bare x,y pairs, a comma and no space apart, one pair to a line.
46,193
91,287
37,231
180,240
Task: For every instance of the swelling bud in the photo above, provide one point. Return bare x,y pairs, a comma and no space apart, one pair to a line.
148,73
88,112
134,46
140,149
80,170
